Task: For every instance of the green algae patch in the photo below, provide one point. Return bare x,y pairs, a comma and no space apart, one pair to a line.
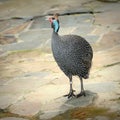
86,112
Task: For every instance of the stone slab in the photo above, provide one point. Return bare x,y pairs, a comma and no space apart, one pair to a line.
7,99
12,118
27,106
36,35
62,104
101,118
8,39
111,11
10,24
8,9
111,37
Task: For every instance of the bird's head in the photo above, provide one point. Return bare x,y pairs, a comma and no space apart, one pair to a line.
54,22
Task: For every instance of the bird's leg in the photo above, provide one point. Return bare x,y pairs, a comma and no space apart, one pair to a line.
82,89
71,93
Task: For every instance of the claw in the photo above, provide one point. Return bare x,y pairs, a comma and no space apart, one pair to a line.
81,94
71,94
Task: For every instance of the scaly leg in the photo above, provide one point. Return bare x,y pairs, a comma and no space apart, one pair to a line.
82,89
71,93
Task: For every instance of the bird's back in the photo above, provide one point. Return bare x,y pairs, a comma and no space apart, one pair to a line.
73,54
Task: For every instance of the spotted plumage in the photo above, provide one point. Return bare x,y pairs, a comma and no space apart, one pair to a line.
73,55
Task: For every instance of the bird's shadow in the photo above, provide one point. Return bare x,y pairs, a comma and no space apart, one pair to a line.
74,102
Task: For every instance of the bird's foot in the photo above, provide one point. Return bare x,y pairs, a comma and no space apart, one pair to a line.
71,94
81,94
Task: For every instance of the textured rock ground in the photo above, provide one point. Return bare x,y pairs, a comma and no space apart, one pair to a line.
31,84
12,118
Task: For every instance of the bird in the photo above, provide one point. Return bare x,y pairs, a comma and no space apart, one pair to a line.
73,54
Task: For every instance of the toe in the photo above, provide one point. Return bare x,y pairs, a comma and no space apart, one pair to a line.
71,94
81,94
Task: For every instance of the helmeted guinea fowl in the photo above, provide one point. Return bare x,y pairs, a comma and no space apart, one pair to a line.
73,55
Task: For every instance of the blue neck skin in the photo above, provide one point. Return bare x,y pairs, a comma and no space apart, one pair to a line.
56,26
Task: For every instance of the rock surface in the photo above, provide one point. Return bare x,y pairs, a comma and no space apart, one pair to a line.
101,118
31,84
12,118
